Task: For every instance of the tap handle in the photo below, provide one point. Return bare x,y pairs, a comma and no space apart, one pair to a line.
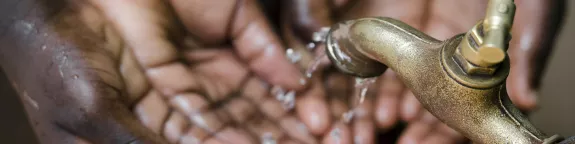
496,30
485,44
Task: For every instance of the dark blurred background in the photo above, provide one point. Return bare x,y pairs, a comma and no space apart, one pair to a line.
556,114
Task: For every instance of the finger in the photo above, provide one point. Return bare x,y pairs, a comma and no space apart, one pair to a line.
363,123
449,132
386,111
210,121
188,103
296,129
427,117
232,135
143,26
218,82
152,111
312,109
240,110
272,108
255,90
415,133
532,41
265,129
410,107
133,76
414,17
338,89
175,127
438,139
442,134
289,142
307,17
363,131
249,31
340,133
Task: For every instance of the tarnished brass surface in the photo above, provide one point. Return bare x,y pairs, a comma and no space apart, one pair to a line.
475,105
493,36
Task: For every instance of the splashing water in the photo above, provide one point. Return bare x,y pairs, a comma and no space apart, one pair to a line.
287,98
311,46
314,65
361,86
336,135
320,36
293,56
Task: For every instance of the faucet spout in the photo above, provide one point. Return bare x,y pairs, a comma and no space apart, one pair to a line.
475,105
367,47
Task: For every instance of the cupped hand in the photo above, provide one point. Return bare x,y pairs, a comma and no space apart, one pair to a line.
153,71
535,26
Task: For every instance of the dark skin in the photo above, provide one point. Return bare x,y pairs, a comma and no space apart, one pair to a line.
74,90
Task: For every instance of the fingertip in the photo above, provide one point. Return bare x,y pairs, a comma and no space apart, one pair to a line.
278,71
528,101
386,112
340,133
414,133
522,97
313,112
520,92
410,107
363,131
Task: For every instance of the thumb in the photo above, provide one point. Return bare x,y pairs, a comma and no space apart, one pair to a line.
534,31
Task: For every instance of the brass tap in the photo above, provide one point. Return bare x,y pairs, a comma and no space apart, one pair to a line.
460,80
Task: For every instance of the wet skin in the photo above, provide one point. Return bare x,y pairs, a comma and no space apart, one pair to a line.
126,72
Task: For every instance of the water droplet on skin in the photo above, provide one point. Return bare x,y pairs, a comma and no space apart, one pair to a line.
302,81
44,47
289,100
267,138
31,101
302,128
336,135
348,116
293,55
311,46
278,92
76,77
320,35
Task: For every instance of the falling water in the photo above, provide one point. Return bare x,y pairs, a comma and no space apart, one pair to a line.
314,65
361,86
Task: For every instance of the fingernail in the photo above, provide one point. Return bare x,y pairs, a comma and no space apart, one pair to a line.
409,111
382,115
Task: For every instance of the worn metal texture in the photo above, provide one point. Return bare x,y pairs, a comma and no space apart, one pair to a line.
366,47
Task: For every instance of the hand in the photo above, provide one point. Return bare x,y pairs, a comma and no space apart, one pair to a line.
442,19
99,60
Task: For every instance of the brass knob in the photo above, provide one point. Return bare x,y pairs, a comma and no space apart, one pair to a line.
491,36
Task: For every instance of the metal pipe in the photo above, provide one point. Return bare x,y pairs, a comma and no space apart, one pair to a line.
475,105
